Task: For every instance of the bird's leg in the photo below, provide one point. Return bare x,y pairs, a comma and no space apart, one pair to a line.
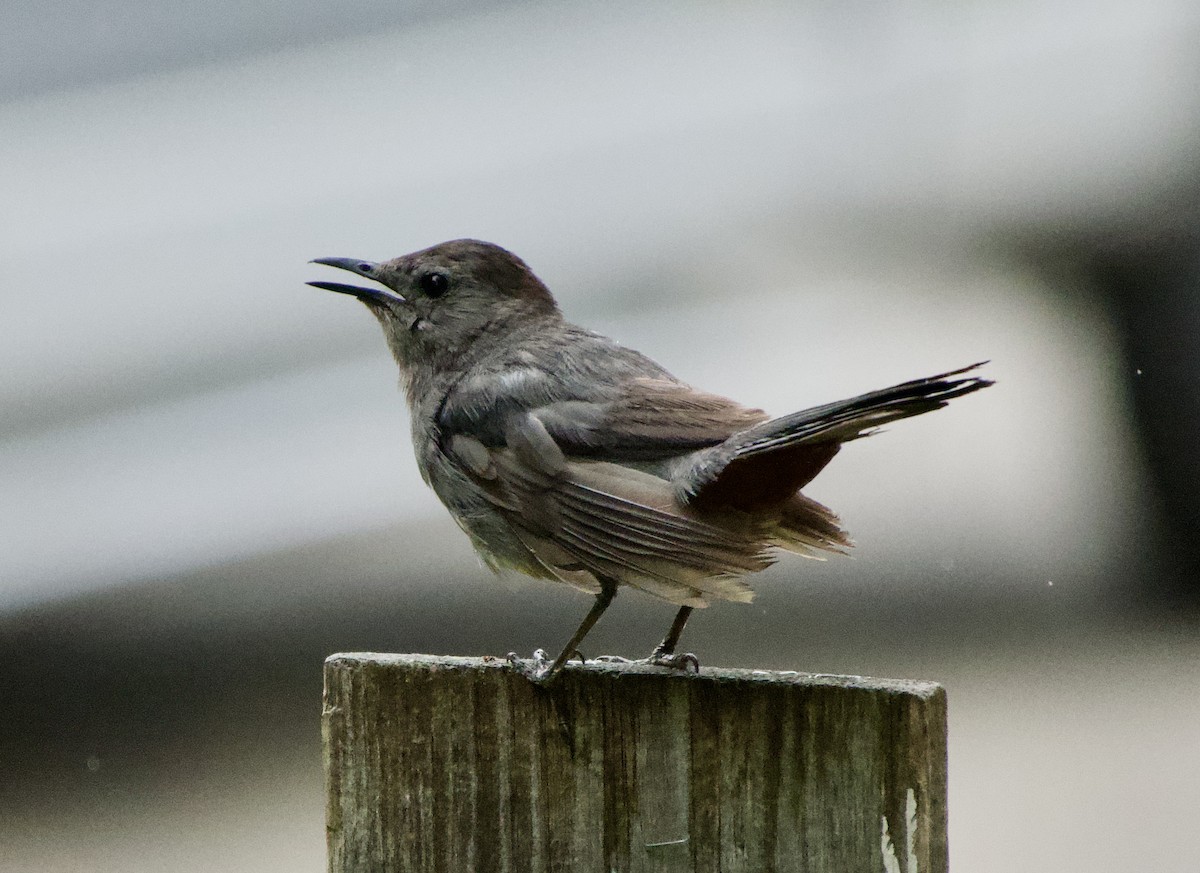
543,672
664,653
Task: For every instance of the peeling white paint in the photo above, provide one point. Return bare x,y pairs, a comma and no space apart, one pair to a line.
891,863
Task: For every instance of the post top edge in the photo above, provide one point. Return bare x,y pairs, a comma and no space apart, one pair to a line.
917,687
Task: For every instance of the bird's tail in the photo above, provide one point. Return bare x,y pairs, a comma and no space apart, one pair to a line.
767,464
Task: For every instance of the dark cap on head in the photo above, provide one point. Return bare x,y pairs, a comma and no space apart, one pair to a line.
485,262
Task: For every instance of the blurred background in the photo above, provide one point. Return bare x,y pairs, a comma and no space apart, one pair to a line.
206,481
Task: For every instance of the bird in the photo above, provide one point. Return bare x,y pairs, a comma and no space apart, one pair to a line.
569,457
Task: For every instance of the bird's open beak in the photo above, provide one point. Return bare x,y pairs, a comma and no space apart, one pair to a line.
363,268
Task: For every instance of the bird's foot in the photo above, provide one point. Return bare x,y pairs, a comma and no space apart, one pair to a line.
536,669
540,668
685,661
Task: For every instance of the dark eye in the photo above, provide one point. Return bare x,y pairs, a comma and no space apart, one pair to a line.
434,284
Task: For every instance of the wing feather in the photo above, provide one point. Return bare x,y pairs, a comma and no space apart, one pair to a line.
645,419
619,522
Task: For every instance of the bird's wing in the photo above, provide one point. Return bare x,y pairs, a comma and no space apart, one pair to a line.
575,514
646,418
596,399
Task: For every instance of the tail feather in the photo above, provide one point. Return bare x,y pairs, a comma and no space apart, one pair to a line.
846,420
808,528
766,464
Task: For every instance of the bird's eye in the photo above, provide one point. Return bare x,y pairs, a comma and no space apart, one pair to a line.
434,284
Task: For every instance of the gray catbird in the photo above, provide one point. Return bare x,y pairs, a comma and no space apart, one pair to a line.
568,457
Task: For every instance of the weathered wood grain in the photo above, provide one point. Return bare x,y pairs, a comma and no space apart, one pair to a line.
446,765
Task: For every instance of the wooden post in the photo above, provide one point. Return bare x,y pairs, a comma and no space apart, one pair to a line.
458,765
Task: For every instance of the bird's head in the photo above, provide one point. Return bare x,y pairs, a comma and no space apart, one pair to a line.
435,304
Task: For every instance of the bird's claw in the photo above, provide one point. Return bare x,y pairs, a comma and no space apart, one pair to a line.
683,661
536,669
539,668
